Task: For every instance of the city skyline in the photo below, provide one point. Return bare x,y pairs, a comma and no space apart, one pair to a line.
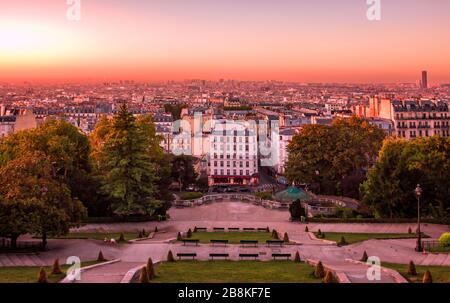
299,41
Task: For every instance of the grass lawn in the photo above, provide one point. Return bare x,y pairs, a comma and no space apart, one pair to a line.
351,238
232,237
234,272
100,236
440,274
29,274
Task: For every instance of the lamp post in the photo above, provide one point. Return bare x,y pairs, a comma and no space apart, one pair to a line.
418,191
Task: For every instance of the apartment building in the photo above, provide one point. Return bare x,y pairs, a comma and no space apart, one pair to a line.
233,157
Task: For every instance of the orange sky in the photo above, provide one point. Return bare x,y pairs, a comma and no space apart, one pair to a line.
306,41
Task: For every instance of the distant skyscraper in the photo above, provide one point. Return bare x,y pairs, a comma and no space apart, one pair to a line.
424,83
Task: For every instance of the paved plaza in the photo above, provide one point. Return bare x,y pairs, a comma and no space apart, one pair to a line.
234,214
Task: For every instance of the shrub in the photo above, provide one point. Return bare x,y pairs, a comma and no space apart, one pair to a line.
412,269
144,233
427,278
144,276
275,234
100,257
156,229
297,258
179,237
342,242
170,257
140,235
56,269
189,233
319,271
319,233
306,229
409,230
286,238
444,240
268,229
42,276
365,257
265,195
329,278
191,196
296,210
121,238
150,269
195,229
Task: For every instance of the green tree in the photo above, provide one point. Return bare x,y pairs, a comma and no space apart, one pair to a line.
296,210
129,178
30,195
325,155
183,171
401,165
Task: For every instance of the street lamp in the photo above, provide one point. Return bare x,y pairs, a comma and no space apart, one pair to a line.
418,191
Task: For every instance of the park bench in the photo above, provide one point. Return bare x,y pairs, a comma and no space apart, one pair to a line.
223,242
219,229
263,229
187,255
219,256
249,256
200,229
233,229
191,241
281,256
249,243
249,229
275,243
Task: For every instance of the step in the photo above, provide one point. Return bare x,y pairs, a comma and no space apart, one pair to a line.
440,259
6,261
429,259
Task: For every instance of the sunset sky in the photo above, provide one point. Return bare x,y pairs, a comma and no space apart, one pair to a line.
295,40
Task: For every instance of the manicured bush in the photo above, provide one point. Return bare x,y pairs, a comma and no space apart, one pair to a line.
319,234
409,230
122,238
150,269
306,229
412,269
170,257
156,229
56,269
144,276
268,229
319,271
191,196
427,278
42,276
297,258
365,257
286,238
342,242
179,237
275,234
189,233
100,257
140,235
444,240
329,278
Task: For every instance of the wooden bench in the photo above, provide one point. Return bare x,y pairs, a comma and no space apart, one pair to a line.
219,256
275,243
233,229
200,229
190,241
281,256
187,255
263,229
223,242
218,229
248,229
249,256
249,243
